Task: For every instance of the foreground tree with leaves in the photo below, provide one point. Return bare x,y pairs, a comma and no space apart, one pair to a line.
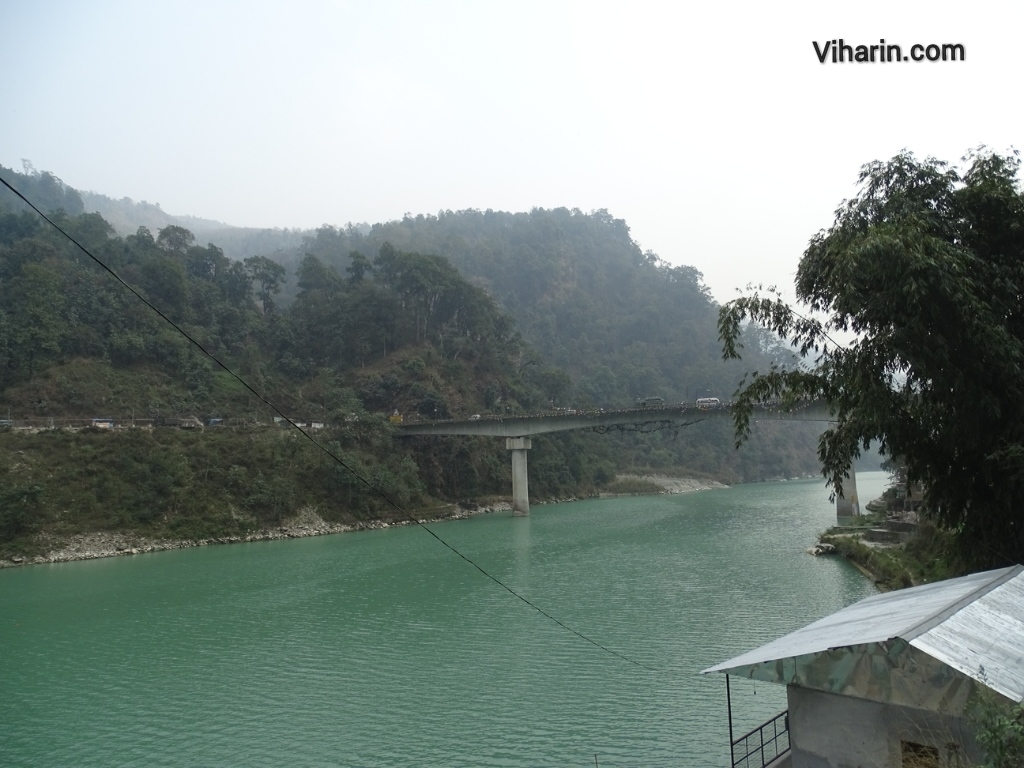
926,267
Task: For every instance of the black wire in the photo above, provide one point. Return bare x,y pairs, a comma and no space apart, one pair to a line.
319,445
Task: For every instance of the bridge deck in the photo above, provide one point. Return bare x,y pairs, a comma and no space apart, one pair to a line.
539,424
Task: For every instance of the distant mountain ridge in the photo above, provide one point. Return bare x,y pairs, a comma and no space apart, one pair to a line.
126,216
238,243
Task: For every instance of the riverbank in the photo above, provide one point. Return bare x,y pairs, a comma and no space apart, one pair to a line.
642,485
850,545
92,546
895,557
95,545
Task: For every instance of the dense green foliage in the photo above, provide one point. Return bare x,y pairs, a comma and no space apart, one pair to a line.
45,190
926,267
999,726
126,216
622,323
191,484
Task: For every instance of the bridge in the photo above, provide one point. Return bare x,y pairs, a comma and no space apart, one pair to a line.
517,429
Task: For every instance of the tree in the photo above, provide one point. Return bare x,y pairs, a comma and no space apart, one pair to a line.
236,284
999,728
205,263
359,267
269,274
166,285
175,239
313,275
33,301
925,267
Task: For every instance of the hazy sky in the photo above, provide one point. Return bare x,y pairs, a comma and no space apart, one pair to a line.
710,127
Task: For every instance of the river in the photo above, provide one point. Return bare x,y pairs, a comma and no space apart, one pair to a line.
382,648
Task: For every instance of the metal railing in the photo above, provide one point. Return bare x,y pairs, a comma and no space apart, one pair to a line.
761,746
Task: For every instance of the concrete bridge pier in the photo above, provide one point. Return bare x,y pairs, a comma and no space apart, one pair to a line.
848,503
520,485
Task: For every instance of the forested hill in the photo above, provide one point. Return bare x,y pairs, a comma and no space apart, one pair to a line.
125,215
623,323
45,190
620,322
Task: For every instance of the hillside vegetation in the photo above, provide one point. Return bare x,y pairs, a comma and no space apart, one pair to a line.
434,317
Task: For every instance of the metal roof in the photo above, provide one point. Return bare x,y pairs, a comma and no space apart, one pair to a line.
973,624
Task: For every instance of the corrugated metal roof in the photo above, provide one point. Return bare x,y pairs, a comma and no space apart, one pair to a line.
974,624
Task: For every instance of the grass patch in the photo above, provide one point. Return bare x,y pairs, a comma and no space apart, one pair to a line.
883,563
634,485
928,556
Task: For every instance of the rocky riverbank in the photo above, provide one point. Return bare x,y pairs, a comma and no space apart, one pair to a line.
90,546
881,558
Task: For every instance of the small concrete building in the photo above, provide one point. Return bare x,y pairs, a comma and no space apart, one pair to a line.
887,681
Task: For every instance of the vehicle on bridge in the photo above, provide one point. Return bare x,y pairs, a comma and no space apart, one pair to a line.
188,422
650,402
707,403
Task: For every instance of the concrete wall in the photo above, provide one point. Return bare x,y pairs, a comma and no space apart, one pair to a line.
827,730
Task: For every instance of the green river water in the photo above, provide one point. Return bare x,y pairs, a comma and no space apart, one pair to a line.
382,648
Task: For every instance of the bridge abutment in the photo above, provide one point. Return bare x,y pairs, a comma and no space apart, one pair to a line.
520,484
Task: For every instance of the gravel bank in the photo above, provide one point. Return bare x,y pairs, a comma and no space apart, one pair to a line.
89,546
